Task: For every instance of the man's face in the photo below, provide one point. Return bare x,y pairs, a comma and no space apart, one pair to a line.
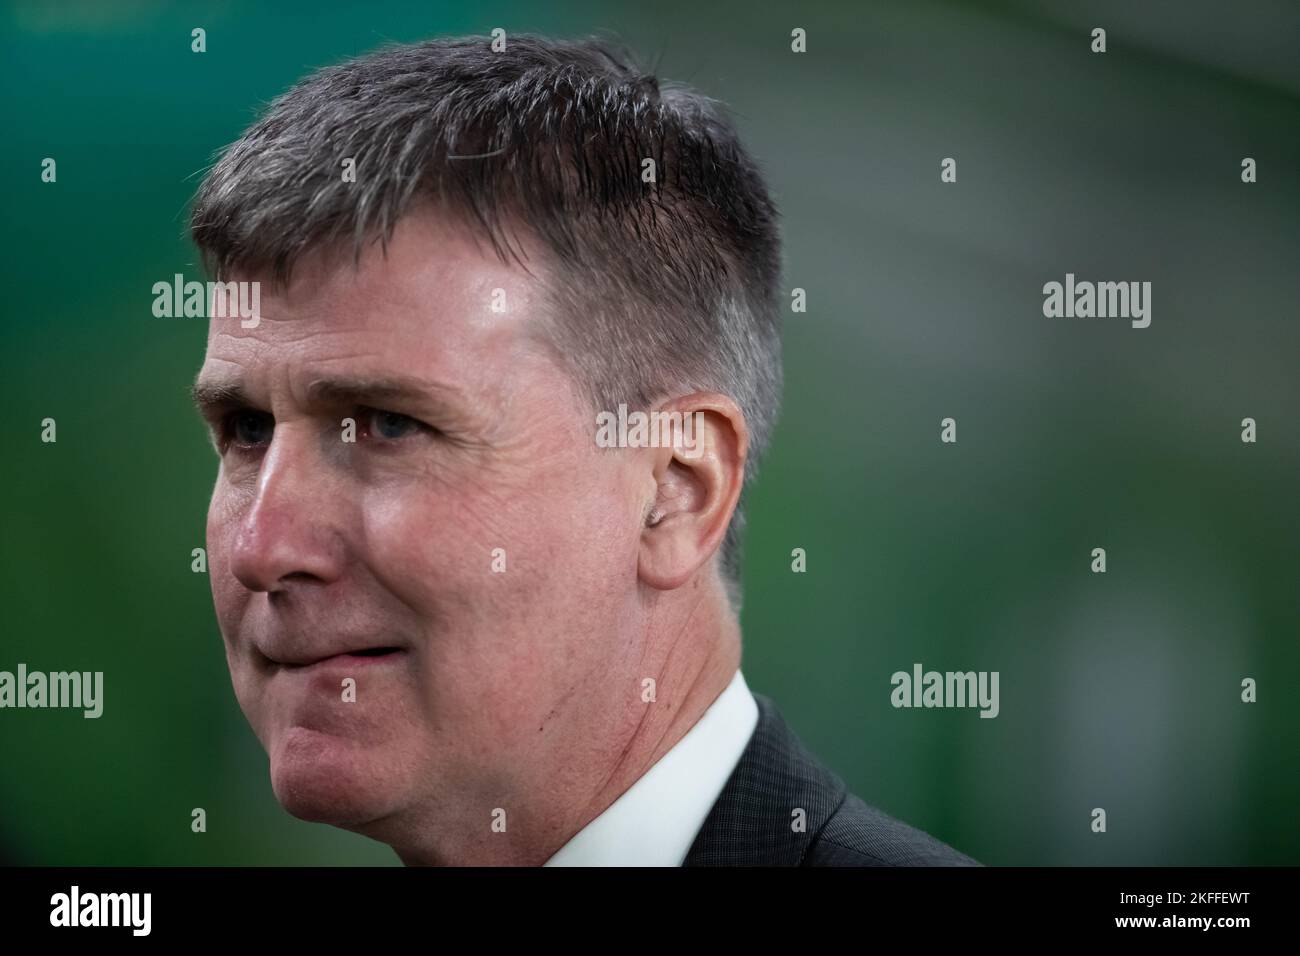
376,559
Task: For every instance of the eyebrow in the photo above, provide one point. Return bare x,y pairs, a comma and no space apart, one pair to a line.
371,391
211,397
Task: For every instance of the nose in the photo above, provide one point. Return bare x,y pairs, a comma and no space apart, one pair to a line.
289,532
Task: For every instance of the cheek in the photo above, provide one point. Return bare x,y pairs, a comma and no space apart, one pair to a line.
501,530
451,553
229,597
509,570
230,601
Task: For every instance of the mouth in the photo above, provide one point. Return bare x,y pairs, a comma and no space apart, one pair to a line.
362,657
374,652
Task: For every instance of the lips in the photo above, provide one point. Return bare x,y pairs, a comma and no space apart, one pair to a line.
358,657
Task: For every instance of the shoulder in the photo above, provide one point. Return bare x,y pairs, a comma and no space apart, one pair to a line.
858,834
783,807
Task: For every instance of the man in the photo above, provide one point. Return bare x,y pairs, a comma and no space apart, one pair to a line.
457,622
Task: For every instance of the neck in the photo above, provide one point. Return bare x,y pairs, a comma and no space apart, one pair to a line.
691,653
686,686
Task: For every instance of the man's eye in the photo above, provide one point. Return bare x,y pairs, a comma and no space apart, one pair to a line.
248,428
390,426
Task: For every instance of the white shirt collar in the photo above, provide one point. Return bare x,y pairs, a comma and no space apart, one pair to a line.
656,820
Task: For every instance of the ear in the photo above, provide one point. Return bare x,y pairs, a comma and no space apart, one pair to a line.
697,482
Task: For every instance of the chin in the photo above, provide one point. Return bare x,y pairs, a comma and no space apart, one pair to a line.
322,778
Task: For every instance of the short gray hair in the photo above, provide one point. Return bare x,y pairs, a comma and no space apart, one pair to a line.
657,288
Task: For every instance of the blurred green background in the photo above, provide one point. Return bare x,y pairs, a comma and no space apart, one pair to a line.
1119,690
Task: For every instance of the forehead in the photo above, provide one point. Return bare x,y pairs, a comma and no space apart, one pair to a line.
437,301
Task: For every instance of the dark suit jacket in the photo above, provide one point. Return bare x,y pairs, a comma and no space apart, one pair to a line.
750,824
